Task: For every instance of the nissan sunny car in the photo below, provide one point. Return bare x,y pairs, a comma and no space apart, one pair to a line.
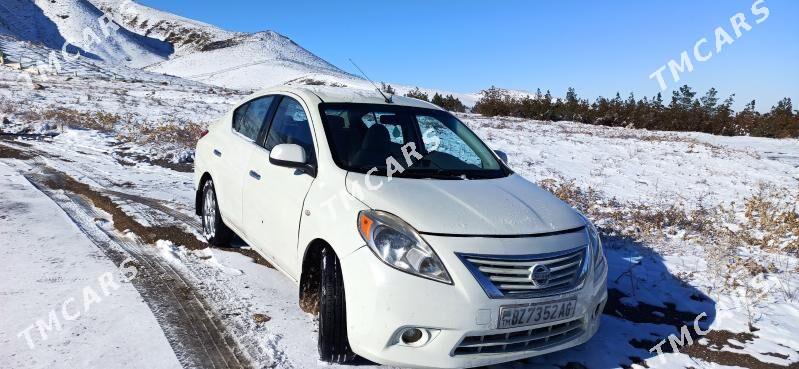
413,242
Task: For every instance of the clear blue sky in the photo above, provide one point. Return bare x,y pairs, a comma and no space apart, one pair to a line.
597,47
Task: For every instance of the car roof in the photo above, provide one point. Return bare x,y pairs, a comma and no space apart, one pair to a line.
327,94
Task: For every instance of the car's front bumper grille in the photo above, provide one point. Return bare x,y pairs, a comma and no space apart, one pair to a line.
504,276
524,339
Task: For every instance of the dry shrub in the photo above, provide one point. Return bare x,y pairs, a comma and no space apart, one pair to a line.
772,221
634,220
98,121
6,107
768,224
181,135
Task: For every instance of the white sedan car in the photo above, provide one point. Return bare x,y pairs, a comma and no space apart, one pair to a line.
414,243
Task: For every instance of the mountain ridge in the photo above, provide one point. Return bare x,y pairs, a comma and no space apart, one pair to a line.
161,42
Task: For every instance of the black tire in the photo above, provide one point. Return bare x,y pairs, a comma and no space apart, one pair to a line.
334,347
214,229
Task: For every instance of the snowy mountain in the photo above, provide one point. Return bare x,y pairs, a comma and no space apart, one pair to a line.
78,22
248,62
147,38
165,43
185,35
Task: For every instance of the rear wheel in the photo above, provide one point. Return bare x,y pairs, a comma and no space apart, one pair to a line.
334,347
214,229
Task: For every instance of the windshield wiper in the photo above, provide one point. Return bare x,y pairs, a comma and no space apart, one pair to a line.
415,172
477,175
366,168
435,173
452,173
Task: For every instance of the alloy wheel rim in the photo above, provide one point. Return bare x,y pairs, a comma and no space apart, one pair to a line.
209,213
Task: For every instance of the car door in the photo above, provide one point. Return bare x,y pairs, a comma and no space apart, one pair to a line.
233,152
274,196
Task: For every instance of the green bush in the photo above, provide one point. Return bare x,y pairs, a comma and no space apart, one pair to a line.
448,102
685,112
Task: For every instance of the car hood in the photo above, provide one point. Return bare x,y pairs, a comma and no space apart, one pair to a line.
509,206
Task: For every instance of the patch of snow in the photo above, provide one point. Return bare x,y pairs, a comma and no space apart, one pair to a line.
56,269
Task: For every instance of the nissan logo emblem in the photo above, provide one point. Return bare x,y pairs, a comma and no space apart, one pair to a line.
539,275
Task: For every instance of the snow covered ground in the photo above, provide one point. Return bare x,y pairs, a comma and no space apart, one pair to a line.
65,304
256,302
645,167
657,284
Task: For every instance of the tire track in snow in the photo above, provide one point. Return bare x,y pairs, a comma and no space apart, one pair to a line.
197,335
187,283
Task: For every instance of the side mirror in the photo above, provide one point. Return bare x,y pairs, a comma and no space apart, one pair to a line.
291,156
502,156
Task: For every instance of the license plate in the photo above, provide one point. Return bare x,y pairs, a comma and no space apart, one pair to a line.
534,314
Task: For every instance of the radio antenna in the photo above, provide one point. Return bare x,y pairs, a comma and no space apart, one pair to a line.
388,99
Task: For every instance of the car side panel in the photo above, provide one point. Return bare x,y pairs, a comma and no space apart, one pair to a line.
331,216
224,154
203,155
273,208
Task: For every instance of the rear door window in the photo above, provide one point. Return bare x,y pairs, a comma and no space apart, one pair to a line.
249,118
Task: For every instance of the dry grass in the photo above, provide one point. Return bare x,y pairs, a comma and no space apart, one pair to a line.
63,117
740,247
170,139
769,223
128,128
772,220
176,134
98,121
6,107
633,220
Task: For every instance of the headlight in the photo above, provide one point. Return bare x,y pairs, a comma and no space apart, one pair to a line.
400,246
595,243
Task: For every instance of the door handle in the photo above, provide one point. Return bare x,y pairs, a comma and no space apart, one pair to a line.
255,175
217,153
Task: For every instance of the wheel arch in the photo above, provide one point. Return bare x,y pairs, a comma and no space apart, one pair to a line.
310,275
198,195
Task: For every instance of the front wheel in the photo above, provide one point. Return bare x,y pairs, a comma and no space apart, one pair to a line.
214,229
334,347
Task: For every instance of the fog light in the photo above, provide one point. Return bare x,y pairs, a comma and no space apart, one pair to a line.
598,310
411,336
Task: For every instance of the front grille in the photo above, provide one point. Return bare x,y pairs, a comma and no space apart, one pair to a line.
526,339
510,276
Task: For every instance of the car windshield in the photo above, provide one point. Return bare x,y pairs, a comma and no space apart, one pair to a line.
406,141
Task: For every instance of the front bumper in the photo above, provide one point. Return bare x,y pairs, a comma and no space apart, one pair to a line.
381,301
